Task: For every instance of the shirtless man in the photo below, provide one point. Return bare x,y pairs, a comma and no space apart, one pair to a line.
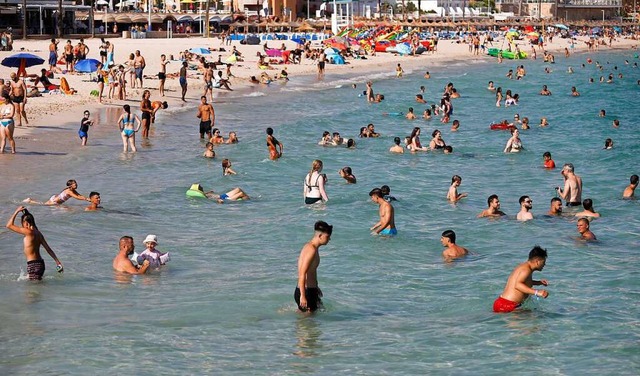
520,283
556,207
588,211
147,113
307,294
452,251
322,59
572,192
630,189
583,229
68,55
494,208
156,106
453,195
545,91
526,204
33,239
162,75
94,199
386,225
138,65
208,78
183,79
207,117
121,262
369,92
19,98
53,55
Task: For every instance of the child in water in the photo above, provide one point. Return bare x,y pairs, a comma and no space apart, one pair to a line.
155,257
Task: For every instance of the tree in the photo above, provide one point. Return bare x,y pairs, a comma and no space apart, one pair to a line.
59,17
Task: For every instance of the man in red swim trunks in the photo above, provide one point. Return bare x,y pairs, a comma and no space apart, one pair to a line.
520,282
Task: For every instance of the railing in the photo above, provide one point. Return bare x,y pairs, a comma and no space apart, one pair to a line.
524,1
591,3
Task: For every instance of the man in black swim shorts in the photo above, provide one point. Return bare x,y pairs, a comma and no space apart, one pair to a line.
307,294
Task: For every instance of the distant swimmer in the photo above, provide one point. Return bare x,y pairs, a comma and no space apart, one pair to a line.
616,123
59,199
631,188
548,162
545,91
386,193
520,283
94,199
602,113
235,194
572,192
491,86
308,295
452,251
588,211
386,225
543,122
347,174
608,144
427,75
526,204
494,208
414,143
122,263
556,207
420,98
574,92
410,115
436,142
452,194
514,144
275,147
33,240
396,148
583,230
455,125
226,168
313,190
209,152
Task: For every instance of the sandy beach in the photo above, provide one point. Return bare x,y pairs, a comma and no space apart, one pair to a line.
58,108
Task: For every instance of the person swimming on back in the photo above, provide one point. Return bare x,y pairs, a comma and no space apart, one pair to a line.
63,196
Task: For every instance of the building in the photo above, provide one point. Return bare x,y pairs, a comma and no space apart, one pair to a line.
562,9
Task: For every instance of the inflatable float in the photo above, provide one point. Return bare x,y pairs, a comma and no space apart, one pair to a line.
504,126
196,191
507,54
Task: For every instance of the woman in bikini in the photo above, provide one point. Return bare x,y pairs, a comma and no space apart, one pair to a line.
437,142
314,182
7,111
128,129
216,138
415,144
62,197
514,144
275,146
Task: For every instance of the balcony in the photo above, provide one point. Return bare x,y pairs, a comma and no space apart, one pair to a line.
590,4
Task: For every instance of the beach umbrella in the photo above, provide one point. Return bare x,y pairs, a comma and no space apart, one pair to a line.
200,51
22,60
561,26
87,65
330,51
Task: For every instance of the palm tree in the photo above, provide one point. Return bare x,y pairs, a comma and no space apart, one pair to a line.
59,23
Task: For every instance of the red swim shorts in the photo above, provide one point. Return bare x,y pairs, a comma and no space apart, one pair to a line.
503,305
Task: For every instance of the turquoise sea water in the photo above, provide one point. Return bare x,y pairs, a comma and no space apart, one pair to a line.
224,304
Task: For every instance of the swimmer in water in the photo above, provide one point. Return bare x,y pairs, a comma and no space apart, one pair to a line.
602,113
209,152
386,225
526,204
414,143
588,211
548,162
493,209
396,148
608,144
452,194
584,231
275,147
631,188
226,168
410,115
326,139
545,91
94,199
525,123
347,175
455,125
437,142
420,98
62,197
556,207
491,87
520,283
616,123
151,254
544,122
574,92
452,251
514,145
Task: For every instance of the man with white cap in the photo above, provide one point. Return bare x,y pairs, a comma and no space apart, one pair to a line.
151,254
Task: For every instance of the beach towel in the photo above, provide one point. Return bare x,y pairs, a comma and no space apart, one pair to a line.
64,87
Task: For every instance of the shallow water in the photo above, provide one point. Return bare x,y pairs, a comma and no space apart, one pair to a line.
224,303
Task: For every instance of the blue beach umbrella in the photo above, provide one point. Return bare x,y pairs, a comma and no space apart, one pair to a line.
297,40
562,26
22,59
87,65
200,51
